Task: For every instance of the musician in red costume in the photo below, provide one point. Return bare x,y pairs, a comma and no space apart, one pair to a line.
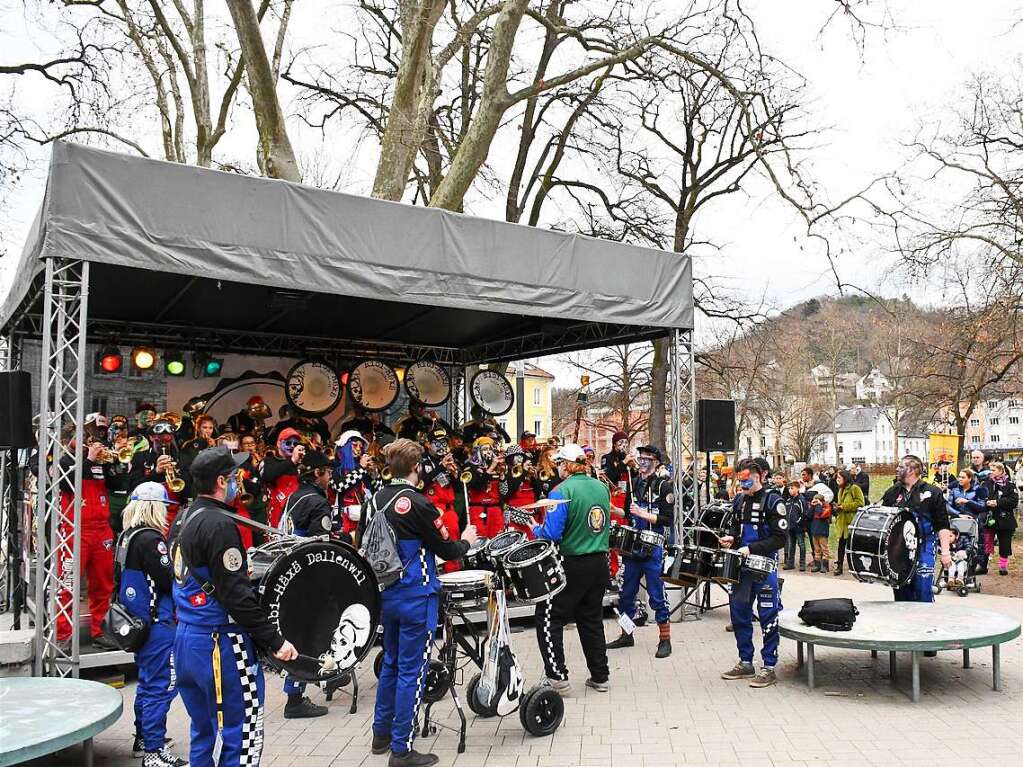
350,479
486,512
279,472
440,473
97,547
521,487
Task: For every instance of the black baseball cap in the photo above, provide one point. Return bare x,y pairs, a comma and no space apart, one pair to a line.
652,450
215,462
314,459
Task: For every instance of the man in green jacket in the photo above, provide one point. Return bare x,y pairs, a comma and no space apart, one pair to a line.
580,527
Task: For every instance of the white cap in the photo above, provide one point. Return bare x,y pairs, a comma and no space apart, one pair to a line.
824,491
350,434
150,491
570,452
97,418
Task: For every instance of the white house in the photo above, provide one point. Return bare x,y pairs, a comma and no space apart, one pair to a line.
996,425
867,435
872,386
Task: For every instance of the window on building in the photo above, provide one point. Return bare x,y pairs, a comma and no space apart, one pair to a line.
1014,419
536,426
1014,403
974,422
991,404
993,421
763,441
536,395
994,438
859,459
857,444
975,439
503,423
99,405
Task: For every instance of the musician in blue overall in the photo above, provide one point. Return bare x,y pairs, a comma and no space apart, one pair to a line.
143,578
307,513
219,621
760,527
927,503
410,606
653,508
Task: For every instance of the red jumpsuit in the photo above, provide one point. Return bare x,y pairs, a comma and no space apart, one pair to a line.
485,509
523,495
441,494
97,551
351,489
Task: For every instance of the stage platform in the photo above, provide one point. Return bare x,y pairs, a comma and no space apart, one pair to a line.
912,627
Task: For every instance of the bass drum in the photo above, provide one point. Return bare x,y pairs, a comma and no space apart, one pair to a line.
428,383
323,598
492,392
373,385
884,545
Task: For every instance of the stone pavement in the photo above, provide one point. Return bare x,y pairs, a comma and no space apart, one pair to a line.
678,711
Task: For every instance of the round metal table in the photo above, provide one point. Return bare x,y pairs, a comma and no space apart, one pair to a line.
40,716
913,627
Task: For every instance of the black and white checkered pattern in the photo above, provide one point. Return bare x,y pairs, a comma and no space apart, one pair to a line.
252,724
422,566
547,647
419,690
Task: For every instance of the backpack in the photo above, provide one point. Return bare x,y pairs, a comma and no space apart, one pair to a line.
380,545
835,614
127,630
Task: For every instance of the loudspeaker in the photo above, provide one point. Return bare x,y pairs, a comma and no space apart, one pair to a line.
715,425
16,410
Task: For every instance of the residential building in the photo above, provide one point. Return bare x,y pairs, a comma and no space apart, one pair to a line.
538,408
867,435
872,386
996,425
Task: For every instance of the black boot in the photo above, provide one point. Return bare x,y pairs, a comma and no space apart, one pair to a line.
381,744
412,759
826,567
663,649
625,640
838,568
816,567
300,707
841,556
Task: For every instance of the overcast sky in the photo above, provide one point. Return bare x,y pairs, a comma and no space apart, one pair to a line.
868,101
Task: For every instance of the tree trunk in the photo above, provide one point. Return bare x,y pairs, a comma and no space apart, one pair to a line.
276,156
659,394
474,148
405,131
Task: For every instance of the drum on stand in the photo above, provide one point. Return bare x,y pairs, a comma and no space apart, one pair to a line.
476,557
500,545
323,598
759,566
884,545
467,588
727,567
535,571
715,521
686,565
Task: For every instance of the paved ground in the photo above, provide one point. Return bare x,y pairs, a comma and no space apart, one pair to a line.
679,712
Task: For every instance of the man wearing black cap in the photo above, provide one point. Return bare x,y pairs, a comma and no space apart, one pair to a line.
620,469
653,509
219,620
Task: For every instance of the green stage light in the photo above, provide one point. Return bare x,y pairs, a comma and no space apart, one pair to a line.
174,363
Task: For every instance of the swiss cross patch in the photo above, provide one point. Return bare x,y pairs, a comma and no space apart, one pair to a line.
439,524
199,599
403,505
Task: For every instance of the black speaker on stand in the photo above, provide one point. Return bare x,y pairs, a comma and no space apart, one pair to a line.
715,429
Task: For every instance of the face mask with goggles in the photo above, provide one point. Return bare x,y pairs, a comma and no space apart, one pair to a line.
440,447
162,428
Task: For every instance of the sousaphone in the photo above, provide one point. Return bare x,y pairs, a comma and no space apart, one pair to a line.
373,385
428,383
492,392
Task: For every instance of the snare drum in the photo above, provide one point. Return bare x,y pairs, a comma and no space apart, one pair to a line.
260,558
649,542
727,566
466,588
476,557
500,545
685,565
535,571
623,539
759,566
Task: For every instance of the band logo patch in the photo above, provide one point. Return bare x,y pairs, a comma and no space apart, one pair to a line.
233,560
596,518
439,524
403,505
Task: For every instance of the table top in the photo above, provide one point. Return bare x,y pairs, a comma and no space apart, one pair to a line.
909,626
39,716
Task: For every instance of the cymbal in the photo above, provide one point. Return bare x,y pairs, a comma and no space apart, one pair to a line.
545,503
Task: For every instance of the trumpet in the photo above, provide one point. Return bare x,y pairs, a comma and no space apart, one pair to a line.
554,441
386,474
105,456
126,453
546,476
465,477
517,471
170,478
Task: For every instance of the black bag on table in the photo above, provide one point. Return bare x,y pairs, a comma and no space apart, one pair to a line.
835,614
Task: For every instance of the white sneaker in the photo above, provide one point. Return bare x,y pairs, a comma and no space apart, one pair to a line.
598,686
560,685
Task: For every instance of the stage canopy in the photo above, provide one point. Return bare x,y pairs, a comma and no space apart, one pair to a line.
193,258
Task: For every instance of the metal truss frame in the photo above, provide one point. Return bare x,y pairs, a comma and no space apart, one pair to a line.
682,392
61,394
10,359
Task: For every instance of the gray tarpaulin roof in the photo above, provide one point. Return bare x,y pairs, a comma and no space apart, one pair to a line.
178,246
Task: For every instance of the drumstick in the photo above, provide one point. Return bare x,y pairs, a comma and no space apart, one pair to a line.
326,662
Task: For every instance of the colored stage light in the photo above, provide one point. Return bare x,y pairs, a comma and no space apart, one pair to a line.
174,363
206,365
213,367
108,360
143,357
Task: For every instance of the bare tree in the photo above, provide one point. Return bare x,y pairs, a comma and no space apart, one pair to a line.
619,392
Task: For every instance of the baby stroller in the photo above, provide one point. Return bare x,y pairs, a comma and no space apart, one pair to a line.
965,546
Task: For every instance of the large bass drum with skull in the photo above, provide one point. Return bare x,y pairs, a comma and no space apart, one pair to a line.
324,598
884,545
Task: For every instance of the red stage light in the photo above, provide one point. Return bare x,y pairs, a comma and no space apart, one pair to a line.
109,360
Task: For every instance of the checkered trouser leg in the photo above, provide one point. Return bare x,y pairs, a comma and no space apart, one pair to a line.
252,724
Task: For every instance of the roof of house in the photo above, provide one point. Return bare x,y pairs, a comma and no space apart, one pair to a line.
857,419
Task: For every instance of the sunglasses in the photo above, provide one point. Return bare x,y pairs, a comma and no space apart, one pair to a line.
291,443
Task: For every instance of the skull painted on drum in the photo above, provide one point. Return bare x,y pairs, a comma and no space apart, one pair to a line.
351,634
909,536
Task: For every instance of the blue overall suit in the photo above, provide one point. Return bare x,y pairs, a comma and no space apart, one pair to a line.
654,494
763,527
219,621
409,609
927,503
145,590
